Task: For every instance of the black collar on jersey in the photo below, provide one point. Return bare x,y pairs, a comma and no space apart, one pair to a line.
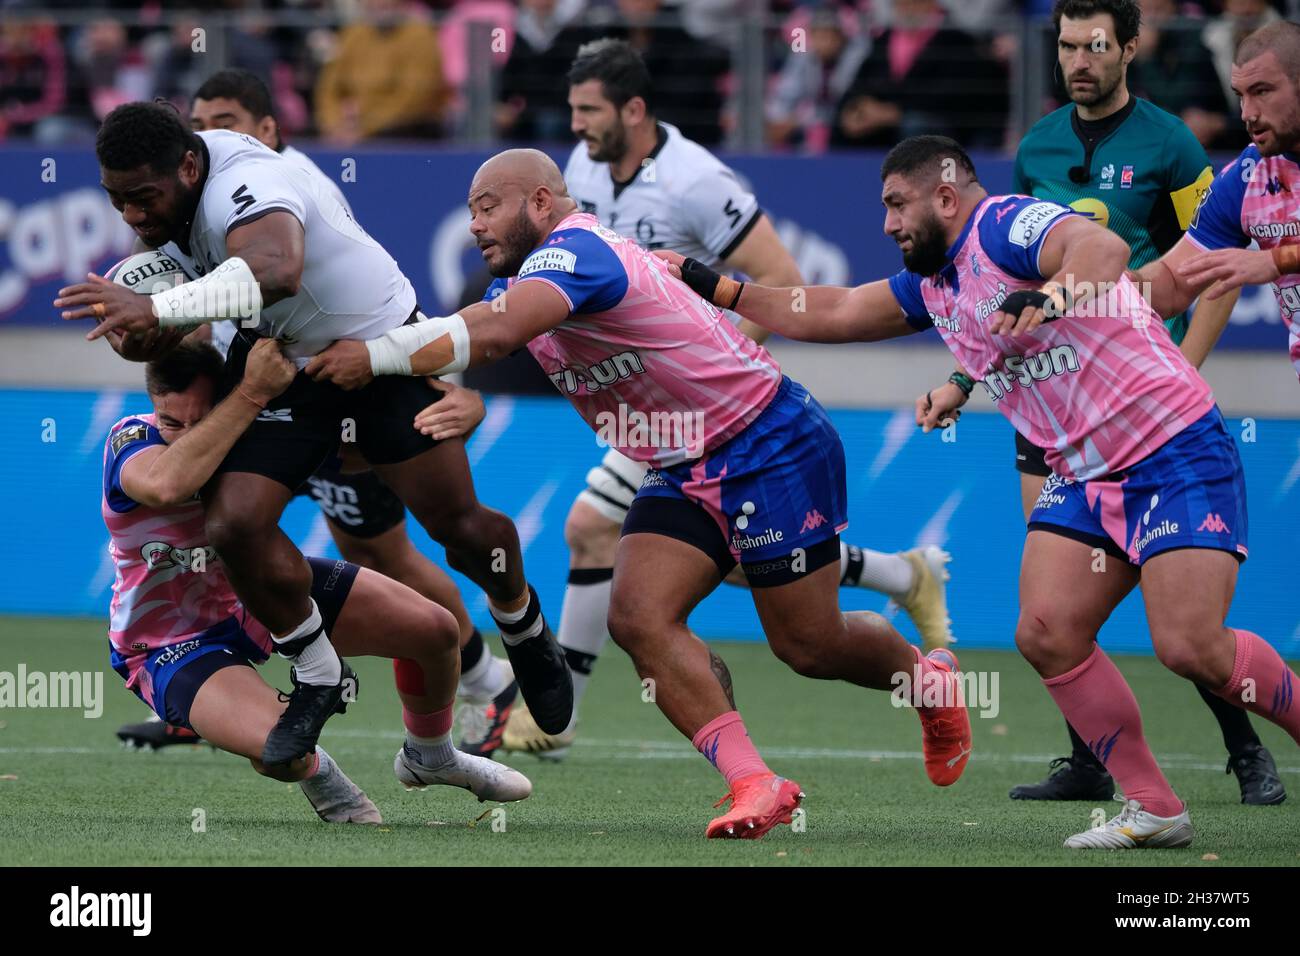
183,240
1091,132
661,137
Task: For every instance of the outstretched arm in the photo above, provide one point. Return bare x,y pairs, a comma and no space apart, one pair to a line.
477,335
866,313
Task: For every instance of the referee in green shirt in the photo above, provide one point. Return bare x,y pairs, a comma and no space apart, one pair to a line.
1140,172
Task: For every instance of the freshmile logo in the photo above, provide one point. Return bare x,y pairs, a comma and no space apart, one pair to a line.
1166,527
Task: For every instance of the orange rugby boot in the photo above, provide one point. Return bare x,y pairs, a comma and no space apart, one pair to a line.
945,727
758,804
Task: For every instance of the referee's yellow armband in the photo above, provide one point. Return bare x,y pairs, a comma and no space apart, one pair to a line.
1189,197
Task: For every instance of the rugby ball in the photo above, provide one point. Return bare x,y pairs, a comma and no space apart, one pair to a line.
148,272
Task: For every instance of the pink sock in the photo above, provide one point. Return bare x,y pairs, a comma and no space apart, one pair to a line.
428,726
1098,703
1271,688
725,743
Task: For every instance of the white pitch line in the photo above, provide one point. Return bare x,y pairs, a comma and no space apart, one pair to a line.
606,749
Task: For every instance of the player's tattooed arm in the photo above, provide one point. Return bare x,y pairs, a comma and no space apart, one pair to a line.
273,248
171,474
720,671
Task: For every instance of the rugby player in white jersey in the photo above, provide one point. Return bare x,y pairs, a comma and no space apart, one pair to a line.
645,180
279,253
365,518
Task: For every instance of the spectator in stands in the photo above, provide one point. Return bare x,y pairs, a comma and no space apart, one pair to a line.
687,73
825,56
1224,32
33,76
532,103
385,78
922,76
1173,70
184,56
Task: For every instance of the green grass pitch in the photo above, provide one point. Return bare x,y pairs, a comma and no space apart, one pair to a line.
632,792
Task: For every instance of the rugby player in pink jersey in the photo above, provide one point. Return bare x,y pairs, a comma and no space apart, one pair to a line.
1256,196
751,471
1144,469
186,645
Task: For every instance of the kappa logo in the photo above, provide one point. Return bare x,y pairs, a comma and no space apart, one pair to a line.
1215,524
812,520
1275,186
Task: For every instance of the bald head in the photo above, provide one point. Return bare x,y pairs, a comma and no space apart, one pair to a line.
516,198
522,169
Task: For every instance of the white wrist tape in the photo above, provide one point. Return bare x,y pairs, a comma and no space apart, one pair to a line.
390,354
227,292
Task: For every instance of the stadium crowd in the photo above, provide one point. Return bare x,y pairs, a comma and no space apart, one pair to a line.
839,74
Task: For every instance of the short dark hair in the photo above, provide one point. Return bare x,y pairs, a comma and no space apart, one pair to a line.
925,154
182,366
245,88
619,68
1281,37
1126,14
144,134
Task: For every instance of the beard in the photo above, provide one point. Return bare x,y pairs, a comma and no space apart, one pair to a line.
929,251
1107,84
611,146
521,239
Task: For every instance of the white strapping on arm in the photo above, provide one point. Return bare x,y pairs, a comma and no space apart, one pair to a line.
229,291
390,354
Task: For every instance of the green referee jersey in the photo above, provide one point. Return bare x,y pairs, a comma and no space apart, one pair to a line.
1145,175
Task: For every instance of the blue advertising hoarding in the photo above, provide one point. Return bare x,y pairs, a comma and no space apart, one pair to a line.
530,457
56,224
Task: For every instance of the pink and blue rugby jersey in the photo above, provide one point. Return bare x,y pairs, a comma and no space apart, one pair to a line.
160,596
1100,388
641,344
1256,197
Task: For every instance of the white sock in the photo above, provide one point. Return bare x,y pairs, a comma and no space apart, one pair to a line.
431,752
584,624
487,678
504,618
889,574
318,663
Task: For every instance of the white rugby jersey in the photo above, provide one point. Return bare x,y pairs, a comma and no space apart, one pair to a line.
350,288
304,162
683,198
